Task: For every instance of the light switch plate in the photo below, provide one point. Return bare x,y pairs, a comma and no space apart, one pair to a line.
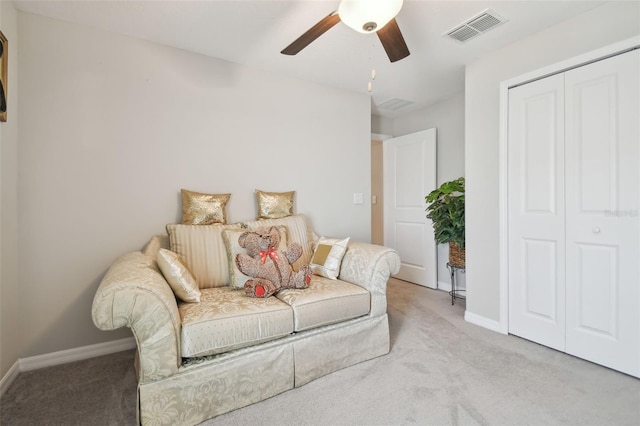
358,198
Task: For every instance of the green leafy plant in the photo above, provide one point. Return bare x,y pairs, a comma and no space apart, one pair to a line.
446,210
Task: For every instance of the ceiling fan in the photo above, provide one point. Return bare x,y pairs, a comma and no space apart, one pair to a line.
364,16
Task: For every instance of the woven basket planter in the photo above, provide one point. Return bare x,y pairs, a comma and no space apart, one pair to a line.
456,255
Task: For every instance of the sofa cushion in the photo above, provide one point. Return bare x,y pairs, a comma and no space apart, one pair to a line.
324,302
297,232
203,251
225,319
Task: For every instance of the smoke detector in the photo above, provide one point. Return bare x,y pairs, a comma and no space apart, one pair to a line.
475,26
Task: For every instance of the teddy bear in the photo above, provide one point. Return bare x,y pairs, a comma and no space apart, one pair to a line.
269,267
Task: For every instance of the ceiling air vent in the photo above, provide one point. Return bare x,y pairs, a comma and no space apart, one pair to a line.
394,104
475,26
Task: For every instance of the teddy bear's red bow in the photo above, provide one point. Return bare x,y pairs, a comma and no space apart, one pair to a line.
269,253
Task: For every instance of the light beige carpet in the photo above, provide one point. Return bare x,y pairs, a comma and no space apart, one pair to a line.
445,371
441,371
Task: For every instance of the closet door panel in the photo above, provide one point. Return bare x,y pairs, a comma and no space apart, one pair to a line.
536,212
597,290
602,201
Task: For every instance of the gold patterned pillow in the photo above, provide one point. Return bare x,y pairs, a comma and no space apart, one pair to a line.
274,205
203,209
182,283
327,257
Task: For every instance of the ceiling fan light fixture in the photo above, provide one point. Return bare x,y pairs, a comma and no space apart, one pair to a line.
367,16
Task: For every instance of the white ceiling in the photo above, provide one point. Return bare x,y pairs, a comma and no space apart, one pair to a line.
254,32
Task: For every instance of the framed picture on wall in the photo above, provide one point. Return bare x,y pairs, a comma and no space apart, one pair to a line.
4,56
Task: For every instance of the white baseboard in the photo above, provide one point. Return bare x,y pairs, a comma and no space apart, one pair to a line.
8,378
444,286
484,322
63,357
76,354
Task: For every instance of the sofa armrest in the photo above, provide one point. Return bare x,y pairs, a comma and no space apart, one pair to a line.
134,294
370,267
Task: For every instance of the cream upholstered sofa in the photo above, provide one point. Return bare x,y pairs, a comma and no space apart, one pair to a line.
198,360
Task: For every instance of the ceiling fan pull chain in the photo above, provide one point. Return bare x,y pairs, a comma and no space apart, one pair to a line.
373,77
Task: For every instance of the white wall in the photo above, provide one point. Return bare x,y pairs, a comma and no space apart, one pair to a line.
112,127
9,286
612,22
381,125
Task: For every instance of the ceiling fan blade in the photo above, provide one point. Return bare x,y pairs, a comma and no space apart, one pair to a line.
393,42
313,33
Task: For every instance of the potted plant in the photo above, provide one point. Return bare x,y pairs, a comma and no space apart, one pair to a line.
446,210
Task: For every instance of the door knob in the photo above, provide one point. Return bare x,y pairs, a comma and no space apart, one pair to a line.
596,230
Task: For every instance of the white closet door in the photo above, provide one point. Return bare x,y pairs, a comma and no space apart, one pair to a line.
602,206
536,212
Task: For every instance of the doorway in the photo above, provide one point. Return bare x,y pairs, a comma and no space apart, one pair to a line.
377,197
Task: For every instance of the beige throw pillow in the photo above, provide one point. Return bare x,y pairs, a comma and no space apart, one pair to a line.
230,236
203,251
182,283
327,257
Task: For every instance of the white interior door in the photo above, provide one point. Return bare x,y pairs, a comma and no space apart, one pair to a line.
536,212
409,175
602,206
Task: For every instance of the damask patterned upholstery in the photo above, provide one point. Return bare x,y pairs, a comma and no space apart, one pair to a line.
184,379
370,267
325,302
225,319
134,294
207,387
